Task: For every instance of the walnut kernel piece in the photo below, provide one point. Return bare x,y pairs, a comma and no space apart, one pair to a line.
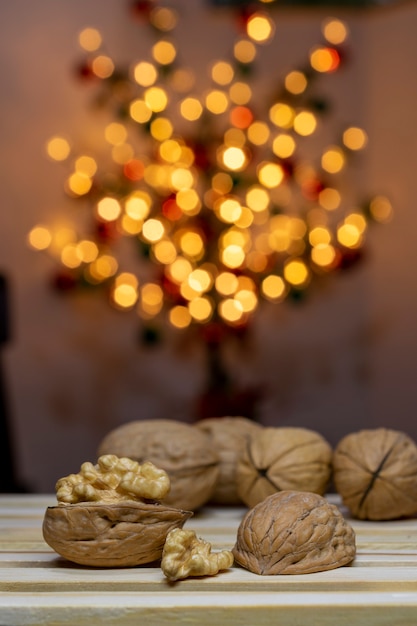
230,436
183,451
124,534
375,473
294,532
186,555
113,479
283,458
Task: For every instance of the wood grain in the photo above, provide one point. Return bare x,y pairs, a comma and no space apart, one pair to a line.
39,587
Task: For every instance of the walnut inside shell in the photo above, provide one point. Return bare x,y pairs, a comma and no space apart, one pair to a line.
294,532
186,454
283,458
124,534
230,436
375,473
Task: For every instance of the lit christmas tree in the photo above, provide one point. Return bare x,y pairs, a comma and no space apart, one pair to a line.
212,189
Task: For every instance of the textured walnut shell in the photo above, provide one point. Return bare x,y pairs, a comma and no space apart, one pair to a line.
278,459
230,436
110,535
184,452
375,473
294,532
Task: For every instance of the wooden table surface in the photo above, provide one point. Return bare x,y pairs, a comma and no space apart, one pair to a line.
39,587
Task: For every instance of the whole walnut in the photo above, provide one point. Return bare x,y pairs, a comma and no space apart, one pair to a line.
375,473
186,453
230,436
283,458
294,532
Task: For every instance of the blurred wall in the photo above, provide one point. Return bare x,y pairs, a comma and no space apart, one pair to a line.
343,360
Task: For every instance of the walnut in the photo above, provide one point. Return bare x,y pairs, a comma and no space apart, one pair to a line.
278,459
184,452
108,514
230,436
186,555
375,473
294,532
113,479
98,534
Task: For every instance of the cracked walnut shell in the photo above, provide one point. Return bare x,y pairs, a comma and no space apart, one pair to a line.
184,452
375,473
283,458
294,532
230,436
122,534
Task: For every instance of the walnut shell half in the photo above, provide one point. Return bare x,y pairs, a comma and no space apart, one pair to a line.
283,458
184,452
110,535
375,473
294,532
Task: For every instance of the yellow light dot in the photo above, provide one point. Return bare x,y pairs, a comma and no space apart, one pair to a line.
355,138
79,184
234,137
349,236
295,82
270,174
69,256
357,220
191,109
244,51
151,298
145,74
258,133
125,296
86,165
296,272
170,150
165,252
164,52
257,199
256,261
233,256
130,226
156,99
333,160
273,287
102,66
138,205
188,200
89,39
58,148
319,235
179,270
192,244
87,251
260,28
122,153
200,280
228,209
324,59
381,209
305,123
103,267
231,310
179,317
182,179
226,283
217,102
246,218
282,115
335,31
283,146
329,199
163,18
140,111
222,73
201,309
39,238
247,300
60,238
240,93
323,255
153,230
234,158
115,133
108,209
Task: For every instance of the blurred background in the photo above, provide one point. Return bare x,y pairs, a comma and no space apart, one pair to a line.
336,355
